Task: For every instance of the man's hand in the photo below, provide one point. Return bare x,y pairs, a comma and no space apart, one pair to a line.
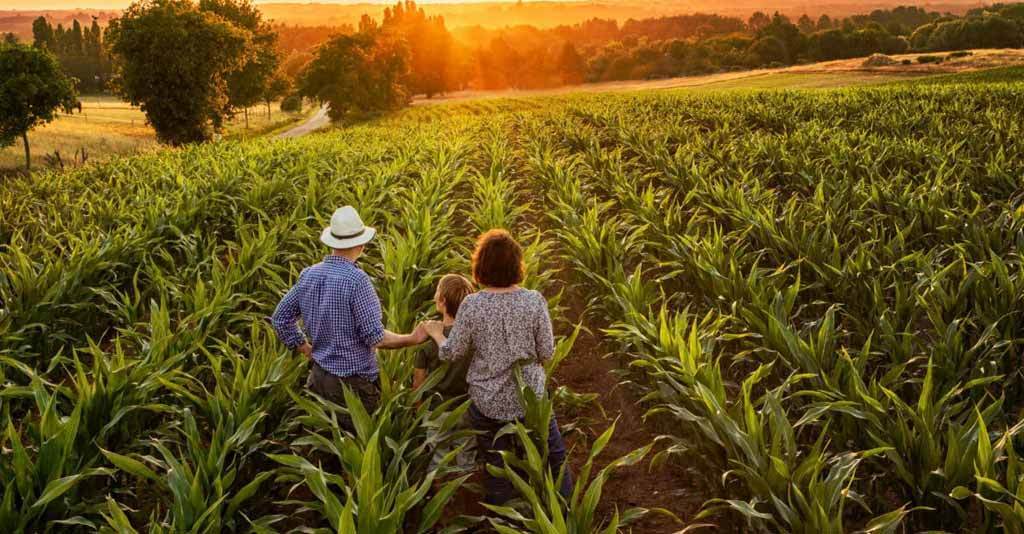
419,335
306,349
433,328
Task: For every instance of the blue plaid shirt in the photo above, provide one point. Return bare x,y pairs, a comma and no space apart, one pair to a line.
341,314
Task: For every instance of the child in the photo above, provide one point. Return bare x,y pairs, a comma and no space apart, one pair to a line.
451,290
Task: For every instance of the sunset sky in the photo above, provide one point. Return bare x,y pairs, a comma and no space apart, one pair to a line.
540,13
118,4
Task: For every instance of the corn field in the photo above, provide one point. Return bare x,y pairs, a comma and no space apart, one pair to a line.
815,296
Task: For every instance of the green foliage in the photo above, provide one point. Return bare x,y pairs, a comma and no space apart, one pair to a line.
383,477
816,293
541,507
81,51
989,31
811,336
32,89
357,75
292,104
158,41
41,469
249,84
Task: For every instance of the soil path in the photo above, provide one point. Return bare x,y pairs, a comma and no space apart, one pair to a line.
312,124
593,367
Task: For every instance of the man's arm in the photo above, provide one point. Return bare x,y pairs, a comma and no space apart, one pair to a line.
400,341
366,313
369,321
286,318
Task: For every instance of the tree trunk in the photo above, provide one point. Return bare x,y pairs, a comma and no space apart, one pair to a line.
246,118
28,153
268,110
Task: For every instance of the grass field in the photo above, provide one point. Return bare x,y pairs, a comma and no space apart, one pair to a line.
109,127
778,311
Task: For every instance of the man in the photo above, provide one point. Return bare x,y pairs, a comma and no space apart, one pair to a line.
341,315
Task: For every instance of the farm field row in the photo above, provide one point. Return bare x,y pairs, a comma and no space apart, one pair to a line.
108,127
812,297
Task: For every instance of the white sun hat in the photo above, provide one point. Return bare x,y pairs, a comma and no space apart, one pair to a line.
346,230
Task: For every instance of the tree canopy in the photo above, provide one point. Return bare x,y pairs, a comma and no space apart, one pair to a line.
429,43
248,85
357,75
32,89
174,62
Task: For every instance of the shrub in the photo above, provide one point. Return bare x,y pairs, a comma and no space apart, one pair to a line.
292,104
879,60
929,59
959,54
907,62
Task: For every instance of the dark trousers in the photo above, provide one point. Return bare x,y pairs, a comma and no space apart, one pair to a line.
329,387
499,490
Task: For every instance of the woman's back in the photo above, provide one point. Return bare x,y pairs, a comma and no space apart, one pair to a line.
502,331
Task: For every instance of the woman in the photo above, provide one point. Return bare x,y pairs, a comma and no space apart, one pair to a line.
502,328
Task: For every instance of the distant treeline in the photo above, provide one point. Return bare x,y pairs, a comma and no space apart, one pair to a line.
441,60
601,50
80,50
597,50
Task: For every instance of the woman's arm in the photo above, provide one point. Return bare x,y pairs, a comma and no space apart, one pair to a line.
459,342
544,333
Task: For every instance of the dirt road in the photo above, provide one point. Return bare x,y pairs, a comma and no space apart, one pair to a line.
317,121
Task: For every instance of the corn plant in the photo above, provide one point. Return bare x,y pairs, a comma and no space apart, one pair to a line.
542,508
855,251
42,471
200,478
383,476
997,480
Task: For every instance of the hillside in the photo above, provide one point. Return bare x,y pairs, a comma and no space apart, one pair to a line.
804,302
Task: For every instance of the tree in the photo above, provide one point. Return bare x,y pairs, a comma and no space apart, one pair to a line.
42,34
10,38
805,24
32,89
990,31
769,50
248,85
788,34
429,43
758,21
291,104
277,87
571,65
76,40
825,23
357,75
506,62
174,61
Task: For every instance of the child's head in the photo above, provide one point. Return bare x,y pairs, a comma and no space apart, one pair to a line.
451,291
